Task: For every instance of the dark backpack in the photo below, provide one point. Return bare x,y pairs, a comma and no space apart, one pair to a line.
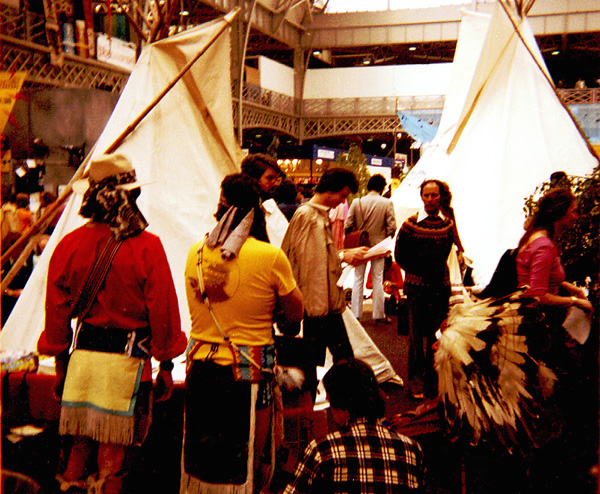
504,281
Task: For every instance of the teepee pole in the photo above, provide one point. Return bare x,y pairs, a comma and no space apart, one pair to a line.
35,228
119,140
547,77
16,267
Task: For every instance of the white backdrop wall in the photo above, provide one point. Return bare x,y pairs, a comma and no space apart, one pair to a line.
276,76
369,82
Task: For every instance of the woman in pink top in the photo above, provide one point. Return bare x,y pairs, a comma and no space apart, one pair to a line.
538,259
565,448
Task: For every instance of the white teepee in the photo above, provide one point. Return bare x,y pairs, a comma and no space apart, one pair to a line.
183,147
503,132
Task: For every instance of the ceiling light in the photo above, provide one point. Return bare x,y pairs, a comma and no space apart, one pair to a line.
556,52
184,12
383,145
367,61
412,48
317,52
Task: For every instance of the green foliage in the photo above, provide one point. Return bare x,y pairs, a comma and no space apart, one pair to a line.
580,247
355,161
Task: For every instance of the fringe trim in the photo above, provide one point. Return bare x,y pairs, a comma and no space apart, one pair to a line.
99,426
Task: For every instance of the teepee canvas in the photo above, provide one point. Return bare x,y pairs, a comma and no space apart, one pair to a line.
183,147
434,159
510,134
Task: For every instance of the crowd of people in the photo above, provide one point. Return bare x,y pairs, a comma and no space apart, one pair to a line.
17,218
113,278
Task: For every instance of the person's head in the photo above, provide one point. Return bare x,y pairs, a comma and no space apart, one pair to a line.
306,192
335,185
22,200
40,149
264,170
243,192
47,199
377,183
556,212
436,196
109,194
557,176
560,179
352,388
287,193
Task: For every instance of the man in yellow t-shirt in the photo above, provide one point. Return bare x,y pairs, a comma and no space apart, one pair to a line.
242,278
241,292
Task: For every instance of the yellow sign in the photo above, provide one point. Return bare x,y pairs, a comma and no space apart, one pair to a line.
10,85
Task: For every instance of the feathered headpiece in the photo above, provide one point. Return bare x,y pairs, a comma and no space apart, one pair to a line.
483,377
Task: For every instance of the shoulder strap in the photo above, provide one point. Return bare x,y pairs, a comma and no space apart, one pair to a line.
95,278
206,301
362,214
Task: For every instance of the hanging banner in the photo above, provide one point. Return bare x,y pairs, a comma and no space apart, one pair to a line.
115,51
10,85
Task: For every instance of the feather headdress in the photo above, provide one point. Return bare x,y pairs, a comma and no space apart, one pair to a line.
482,363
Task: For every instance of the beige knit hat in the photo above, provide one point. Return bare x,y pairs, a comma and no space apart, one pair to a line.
106,165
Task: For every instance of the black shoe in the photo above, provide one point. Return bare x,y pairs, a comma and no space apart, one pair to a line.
383,320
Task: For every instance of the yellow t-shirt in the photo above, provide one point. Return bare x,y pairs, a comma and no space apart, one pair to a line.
242,292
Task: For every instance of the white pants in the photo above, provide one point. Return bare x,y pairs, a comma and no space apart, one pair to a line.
378,296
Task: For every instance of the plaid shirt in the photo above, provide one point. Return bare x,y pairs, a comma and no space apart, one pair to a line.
362,458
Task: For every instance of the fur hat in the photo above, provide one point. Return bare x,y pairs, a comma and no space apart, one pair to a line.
107,165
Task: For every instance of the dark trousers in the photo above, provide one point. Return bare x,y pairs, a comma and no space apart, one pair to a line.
217,423
326,332
427,309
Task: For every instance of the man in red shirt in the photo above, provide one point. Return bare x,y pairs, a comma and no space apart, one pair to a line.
125,316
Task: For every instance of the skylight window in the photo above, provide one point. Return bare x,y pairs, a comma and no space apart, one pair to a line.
338,6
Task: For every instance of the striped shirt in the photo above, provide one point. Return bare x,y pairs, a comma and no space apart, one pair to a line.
363,458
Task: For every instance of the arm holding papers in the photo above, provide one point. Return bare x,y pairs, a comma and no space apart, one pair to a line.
382,249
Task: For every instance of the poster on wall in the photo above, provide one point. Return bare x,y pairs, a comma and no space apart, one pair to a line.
10,85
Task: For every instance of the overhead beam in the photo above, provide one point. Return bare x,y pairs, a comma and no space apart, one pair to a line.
289,31
442,23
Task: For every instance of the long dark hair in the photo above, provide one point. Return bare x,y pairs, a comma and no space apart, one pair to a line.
243,192
551,208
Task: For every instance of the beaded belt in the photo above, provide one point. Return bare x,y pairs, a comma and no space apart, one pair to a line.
131,342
